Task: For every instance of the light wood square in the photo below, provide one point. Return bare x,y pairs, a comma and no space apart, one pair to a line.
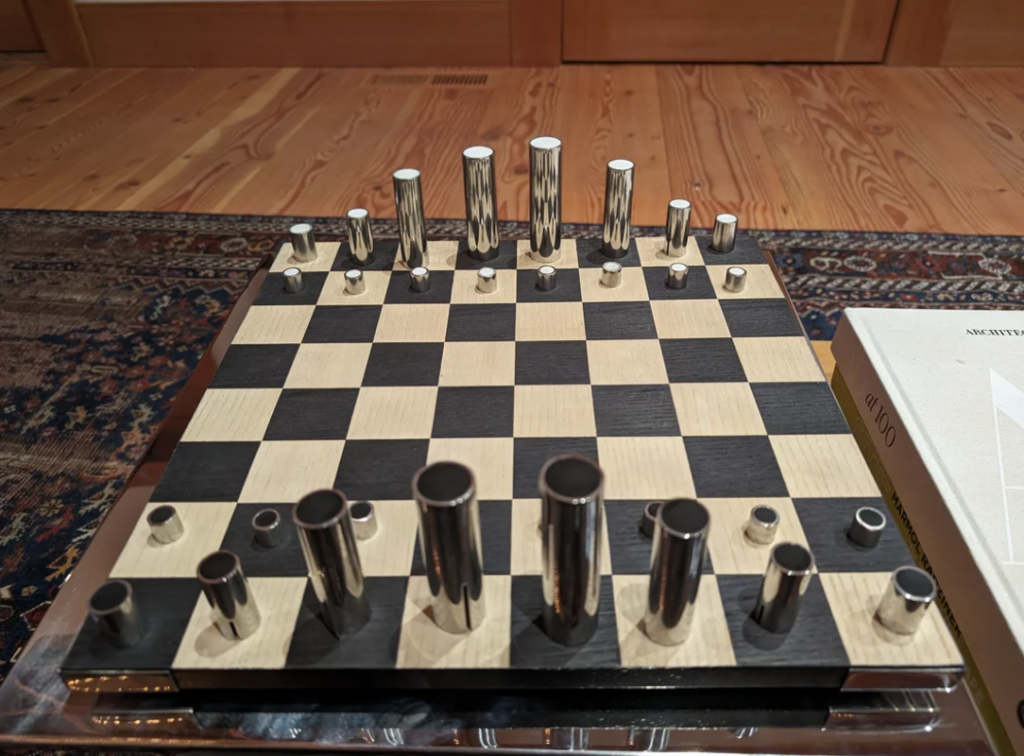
205,524
328,366
779,359
555,321
412,323
708,645
423,645
478,363
823,466
274,324
567,258
490,459
615,362
464,288
389,552
232,415
632,286
717,409
689,319
326,253
732,553
333,292
441,255
648,467
393,412
854,599
554,411
203,646
285,471
652,252
761,282
526,544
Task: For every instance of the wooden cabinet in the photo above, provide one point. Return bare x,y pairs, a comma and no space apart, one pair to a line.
16,30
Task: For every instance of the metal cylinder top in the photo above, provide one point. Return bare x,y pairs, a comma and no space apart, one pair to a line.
266,518
870,518
684,518
406,174
358,213
726,218
109,597
679,204
478,153
160,515
914,584
792,559
765,514
621,165
319,509
545,143
300,228
573,479
361,510
218,567
444,484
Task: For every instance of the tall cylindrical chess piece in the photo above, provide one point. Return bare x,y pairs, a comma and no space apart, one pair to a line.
784,583
677,556
226,589
360,237
165,524
723,237
329,545
303,243
481,203
905,602
112,606
677,227
412,228
450,544
618,208
572,517
545,199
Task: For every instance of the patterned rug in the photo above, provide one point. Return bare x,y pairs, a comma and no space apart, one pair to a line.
103,316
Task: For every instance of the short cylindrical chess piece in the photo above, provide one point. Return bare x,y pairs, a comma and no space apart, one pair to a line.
677,227
905,602
649,518
364,520
867,527
412,228
328,540
784,583
419,279
481,203
677,275
303,243
547,277
611,274
677,556
735,279
572,517
267,528
165,524
723,237
113,608
618,208
445,494
360,237
487,280
292,280
762,525
545,199
355,282
234,607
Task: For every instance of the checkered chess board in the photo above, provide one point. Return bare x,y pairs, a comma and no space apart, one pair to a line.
695,392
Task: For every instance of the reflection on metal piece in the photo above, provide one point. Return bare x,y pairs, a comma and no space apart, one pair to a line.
652,740
677,275
618,208
677,227
303,243
266,526
892,711
113,608
165,524
545,199
412,228
234,607
481,203
360,237
909,678
785,580
292,280
723,237
762,525
905,602
487,280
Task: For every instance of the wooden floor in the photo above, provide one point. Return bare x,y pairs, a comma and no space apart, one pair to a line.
826,147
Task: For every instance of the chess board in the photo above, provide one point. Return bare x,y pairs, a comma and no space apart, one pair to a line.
696,392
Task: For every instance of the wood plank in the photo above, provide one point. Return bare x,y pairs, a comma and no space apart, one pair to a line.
59,27
23,82
535,28
16,30
985,33
919,32
864,30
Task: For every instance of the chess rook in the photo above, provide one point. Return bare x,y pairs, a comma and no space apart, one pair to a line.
355,283
677,227
329,546
618,208
611,275
867,527
784,583
234,607
649,519
677,556
266,528
762,525
419,279
487,280
905,602
113,608
735,279
572,516
165,524
723,237
677,275
360,237
547,277
364,520
450,545
481,203
412,228
292,280
545,199
303,243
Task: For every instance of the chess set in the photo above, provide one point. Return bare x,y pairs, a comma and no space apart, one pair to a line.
492,464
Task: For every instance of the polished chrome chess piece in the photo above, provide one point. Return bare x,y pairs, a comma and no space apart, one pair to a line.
360,237
762,525
905,602
303,243
164,524
677,227
545,199
785,581
723,237
618,208
481,203
113,608
234,607
412,228
267,528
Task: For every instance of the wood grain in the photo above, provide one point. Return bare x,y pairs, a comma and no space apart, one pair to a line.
16,30
60,29
919,32
535,31
985,33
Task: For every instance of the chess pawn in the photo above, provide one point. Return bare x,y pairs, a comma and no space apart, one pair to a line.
784,583
113,608
234,607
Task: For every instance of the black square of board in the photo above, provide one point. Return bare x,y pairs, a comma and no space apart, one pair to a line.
474,412
531,454
734,466
698,284
385,251
631,549
619,320
754,318
273,292
747,251
342,324
495,536
380,470
567,287
399,291
800,408
635,411
206,471
283,560
481,322
402,364
319,414
590,255
825,523
255,366
702,361
506,259
544,363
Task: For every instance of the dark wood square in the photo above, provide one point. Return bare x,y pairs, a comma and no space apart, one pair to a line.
754,318
798,408
208,471
825,523
380,470
255,366
495,536
734,466
631,549
541,363
283,560
702,361
385,251
273,293
589,253
567,288
342,324
619,320
404,364
506,259
531,454
311,414
481,322
698,284
440,291
474,412
635,411
747,251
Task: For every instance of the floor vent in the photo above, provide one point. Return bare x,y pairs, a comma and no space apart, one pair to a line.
459,80
397,80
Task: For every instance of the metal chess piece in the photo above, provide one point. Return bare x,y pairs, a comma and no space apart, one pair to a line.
303,243
735,279
292,280
618,208
611,274
867,527
412,228
355,282
364,520
226,589
113,608
649,519
762,525
547,277
419,279
545,199
723,237
487,280
165,524
784,583
677,227
905,602
677,275
481,203
266,527
360,237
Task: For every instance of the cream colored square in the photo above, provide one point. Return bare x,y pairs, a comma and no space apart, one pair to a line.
274,324
557,321
708,645
423,645
205,524
232,415
389,552
652,252
203,646
526,542
553,411
441,255
645,467
689,319
326,252
717,409
333,292
854,598
387,412
761,282
478,363
464,288
412,323
615,362
328,366
632,286
566,259
732,553
778,359
490,459
288,470
823,466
